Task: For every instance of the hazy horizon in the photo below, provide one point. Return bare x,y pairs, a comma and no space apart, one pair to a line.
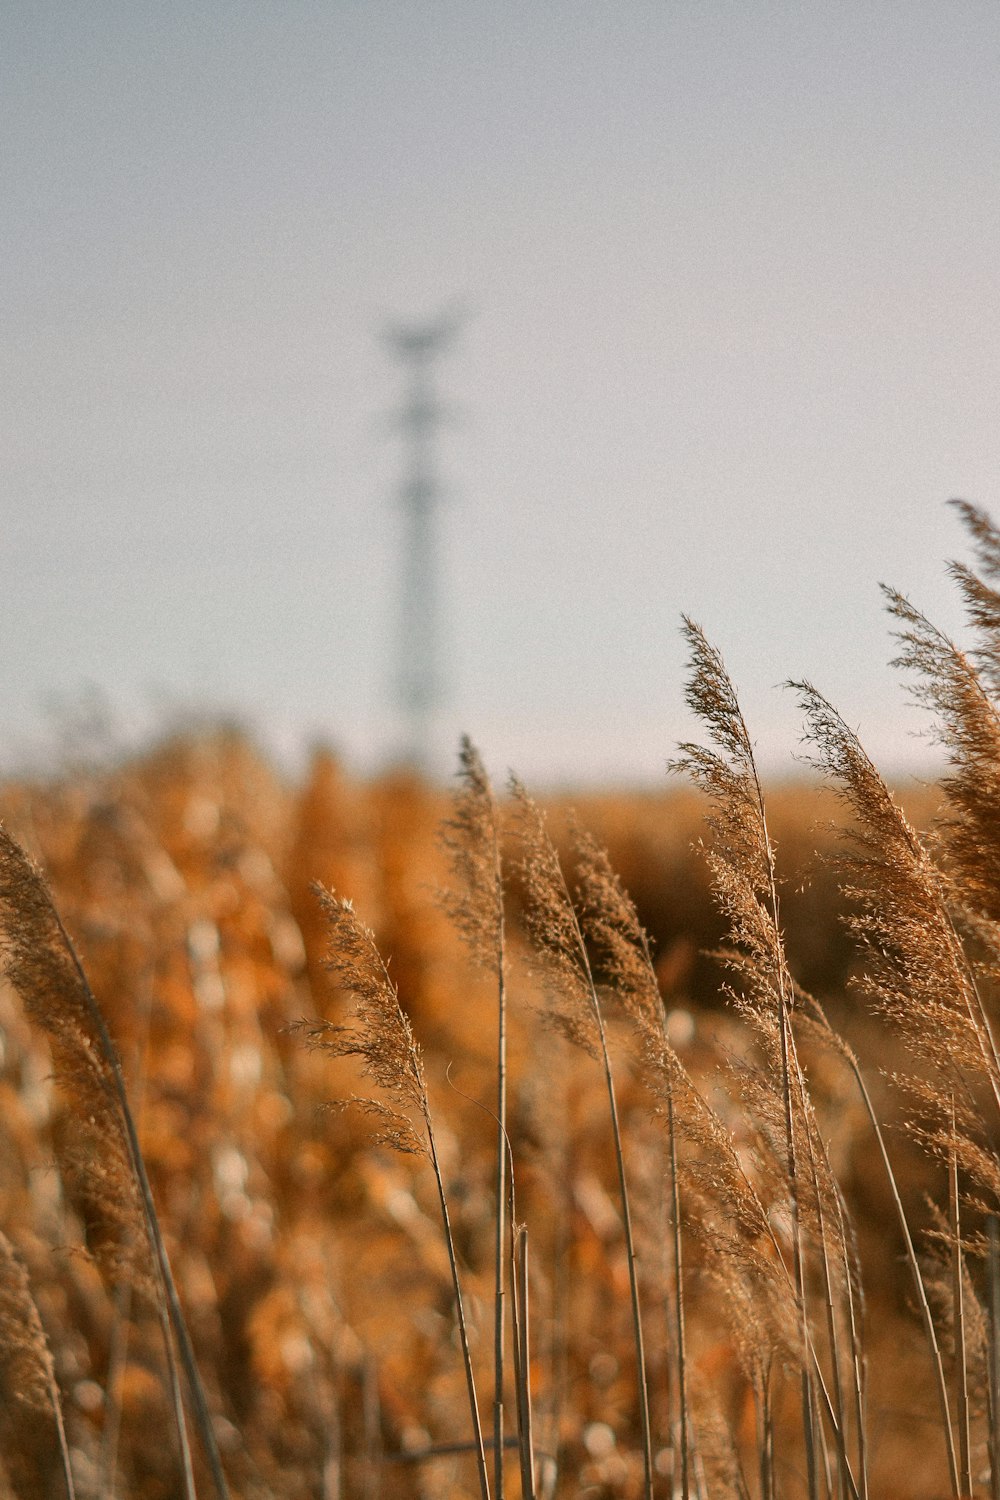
733,334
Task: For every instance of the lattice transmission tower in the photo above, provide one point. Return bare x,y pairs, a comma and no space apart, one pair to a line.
419,681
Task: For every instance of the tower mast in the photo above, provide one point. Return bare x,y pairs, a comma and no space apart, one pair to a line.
419,684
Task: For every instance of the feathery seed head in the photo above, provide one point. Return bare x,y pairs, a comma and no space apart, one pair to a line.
378,1031
611,926
40,963
553,928
471,840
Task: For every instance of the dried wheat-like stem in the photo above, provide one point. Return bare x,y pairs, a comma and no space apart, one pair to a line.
29,1395
750,1279
854,1302
826,1031
117,1358
611,927
380,1034
918,970
958,1317
42,964
475,904
680,1328
813,1153
559,942
522,1362
746,887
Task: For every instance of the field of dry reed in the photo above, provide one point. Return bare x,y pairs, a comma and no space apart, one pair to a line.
383,1140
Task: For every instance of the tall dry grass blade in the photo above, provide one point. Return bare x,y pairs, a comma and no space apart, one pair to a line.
29,1396
379,1033
471,837
41,962
559,942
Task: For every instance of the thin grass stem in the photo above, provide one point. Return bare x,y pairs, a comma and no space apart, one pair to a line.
833,1336
522,1365
499,1319
958,1313
463,1332
911,1255
680,1332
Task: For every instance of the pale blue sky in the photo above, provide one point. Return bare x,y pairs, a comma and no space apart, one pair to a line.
736,338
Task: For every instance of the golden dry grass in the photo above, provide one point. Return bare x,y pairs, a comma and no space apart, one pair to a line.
310,1262
681,1072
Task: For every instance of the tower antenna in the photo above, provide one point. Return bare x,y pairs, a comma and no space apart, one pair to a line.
419,684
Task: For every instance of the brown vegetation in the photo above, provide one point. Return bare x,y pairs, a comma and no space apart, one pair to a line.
551,1155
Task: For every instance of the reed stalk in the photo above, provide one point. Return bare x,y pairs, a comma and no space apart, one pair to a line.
559,938
958,1316
926,1317
679,1323
380,1034
522,1364
475,904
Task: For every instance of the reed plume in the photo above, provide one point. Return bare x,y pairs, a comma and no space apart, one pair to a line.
380,1034
42,965
919,976
951,685
979,592
475,904
745,883
917,972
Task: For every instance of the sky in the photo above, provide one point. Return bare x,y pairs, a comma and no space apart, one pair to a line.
731,341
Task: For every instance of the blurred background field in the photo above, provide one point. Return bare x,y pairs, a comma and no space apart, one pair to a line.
311,1262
